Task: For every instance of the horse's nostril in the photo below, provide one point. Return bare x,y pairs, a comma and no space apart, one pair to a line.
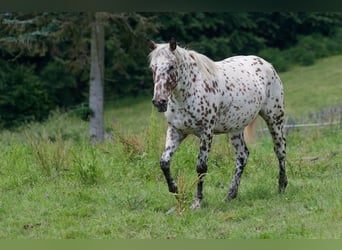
158,102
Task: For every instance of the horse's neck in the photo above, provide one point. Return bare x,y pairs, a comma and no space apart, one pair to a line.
186,86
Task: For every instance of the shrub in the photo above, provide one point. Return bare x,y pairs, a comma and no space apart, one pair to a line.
276,57
305,52
298,55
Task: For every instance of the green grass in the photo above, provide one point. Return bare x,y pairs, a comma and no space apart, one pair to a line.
55,185
131,113
308,89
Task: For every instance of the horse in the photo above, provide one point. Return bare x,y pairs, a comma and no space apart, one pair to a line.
204,97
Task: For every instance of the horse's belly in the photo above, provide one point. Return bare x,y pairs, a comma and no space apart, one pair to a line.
236,116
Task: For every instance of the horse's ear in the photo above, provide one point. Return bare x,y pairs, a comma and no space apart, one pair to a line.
173,44
151,44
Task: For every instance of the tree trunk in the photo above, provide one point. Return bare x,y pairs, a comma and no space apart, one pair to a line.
96,81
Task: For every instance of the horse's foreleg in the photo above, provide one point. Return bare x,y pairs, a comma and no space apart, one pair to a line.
241,154
201,167
173,139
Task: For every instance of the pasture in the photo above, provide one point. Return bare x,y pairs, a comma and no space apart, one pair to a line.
55,185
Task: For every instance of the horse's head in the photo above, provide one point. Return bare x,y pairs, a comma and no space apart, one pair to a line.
164,68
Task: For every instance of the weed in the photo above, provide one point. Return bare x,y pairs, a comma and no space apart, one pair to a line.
184,192
86,167
132,144
51,157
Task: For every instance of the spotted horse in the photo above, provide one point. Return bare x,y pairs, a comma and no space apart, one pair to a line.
203,97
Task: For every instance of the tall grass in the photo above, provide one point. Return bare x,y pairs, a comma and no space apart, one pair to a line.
51,157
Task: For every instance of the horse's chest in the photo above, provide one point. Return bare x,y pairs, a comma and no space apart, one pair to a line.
189,118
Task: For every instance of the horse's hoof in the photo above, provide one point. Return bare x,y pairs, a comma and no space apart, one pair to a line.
281,189
170,211
230,196
282,185
196,205
173,189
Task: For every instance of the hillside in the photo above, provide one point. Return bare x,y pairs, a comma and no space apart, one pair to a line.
309,89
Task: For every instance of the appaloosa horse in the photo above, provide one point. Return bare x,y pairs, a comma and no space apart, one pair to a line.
203,97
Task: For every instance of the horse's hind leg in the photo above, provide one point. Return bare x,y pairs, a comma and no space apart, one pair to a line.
241,154
275,122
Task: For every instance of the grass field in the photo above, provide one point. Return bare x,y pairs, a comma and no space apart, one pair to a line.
55,185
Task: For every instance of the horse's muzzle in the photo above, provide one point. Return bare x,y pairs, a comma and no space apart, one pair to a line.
161,105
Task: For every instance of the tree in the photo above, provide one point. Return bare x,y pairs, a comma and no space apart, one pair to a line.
96,99
132,24
64,36
49,48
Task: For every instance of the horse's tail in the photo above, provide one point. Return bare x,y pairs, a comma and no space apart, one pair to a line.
249,131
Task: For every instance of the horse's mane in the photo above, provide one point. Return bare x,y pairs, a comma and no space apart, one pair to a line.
207,66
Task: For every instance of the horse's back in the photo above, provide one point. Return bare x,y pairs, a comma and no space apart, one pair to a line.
250,65
251,85
254,72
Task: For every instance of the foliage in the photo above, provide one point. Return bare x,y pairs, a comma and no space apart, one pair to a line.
57,44
217,35
126,55
244,32
282,29
54,50
23,96
307,50
45,45
63,89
